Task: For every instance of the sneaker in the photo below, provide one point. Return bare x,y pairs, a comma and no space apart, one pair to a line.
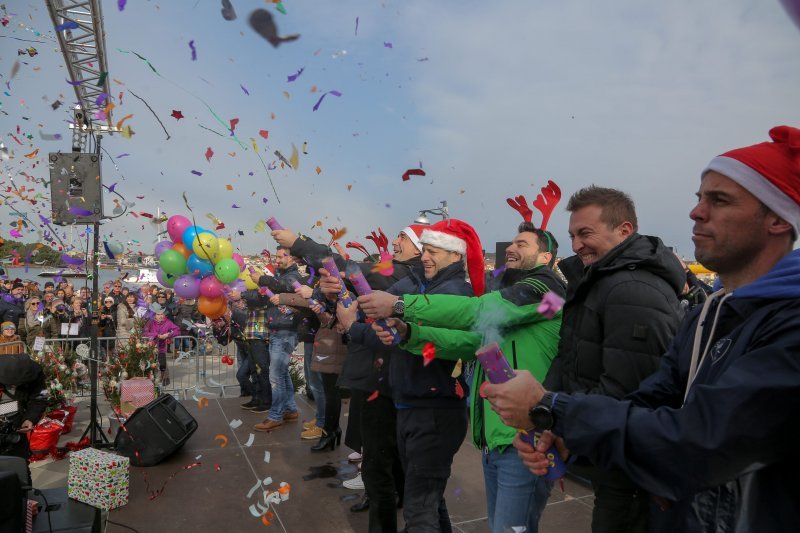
309,425
260,408
354,457
355,484
268,425
251,404
312,433
291,416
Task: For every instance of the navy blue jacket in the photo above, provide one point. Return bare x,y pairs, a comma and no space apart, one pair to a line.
727,456
281,317
414,384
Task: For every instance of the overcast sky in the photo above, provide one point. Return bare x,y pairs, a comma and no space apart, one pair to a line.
492,100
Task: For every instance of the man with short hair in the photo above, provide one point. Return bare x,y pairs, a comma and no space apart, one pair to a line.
458,326
116,293
714,432
621,313
12,305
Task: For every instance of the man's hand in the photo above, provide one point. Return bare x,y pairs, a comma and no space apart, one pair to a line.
26,426
275,300
536,458
386,336
329,285
513,399
377,304
305,291
347,315
284,237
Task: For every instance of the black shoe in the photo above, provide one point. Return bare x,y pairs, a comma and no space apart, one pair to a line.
328,441
261,408
361,506
251,404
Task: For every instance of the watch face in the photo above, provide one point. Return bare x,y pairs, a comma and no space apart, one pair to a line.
541,417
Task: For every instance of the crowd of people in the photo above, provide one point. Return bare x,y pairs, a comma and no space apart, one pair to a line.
673,399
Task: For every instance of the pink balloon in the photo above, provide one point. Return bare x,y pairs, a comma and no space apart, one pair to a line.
793,9
176,225
239,260
211,287
187,286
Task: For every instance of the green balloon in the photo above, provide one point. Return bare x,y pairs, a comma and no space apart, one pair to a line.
226,270
172,262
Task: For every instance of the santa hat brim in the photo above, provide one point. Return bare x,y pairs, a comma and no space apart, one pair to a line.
412,237
444,241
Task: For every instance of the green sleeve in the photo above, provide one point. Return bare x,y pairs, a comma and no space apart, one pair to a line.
450,344
463,313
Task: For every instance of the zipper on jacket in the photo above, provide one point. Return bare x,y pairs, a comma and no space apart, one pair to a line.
514,354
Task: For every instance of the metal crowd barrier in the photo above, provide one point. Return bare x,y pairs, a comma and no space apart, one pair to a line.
13,347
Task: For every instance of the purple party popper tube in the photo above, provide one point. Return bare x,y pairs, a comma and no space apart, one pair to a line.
344,295
273,224
296,285
497,369
362,287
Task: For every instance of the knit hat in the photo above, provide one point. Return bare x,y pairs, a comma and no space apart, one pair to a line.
770,171
7,325
157,309
458,236
18,285
413,232
108,299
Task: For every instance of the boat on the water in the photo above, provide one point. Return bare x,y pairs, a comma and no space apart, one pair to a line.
64,273
146,276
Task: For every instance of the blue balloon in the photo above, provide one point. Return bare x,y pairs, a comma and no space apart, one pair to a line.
190,233
198,267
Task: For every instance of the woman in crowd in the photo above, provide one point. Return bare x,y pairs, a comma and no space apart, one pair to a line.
38,322
160,330
108,324
9,340
126,317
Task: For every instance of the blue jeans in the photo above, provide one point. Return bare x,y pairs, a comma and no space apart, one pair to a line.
514,495
314,382
281,346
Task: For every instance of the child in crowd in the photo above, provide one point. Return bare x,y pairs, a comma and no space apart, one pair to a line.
9,335
160,329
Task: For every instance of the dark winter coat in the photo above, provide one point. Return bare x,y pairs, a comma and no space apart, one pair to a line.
281,317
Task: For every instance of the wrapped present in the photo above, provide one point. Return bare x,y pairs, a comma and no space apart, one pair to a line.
135,393
98,478
31,510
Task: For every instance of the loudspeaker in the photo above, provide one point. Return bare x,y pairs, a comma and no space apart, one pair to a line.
155,431
75,188
500,253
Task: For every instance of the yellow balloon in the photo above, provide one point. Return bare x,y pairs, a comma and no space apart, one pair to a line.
248,281
225,250
205,246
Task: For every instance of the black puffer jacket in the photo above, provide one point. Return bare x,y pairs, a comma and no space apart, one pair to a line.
281,317
619,318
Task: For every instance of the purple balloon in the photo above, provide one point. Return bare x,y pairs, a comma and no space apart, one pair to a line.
211,287
187,286
239,260
176,225
793,8
238,285
162,247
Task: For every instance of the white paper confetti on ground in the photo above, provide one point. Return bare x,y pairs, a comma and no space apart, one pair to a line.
235,423
198,457
253,489
250,440
266,456
267,481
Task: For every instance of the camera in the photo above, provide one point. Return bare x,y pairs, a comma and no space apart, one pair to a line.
61,308
8,436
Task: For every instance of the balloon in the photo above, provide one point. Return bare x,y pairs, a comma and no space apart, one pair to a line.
225,250
190,233
162,247
167,280
197,267
172,262
226,270
237,285
211,307
248,282
181,249
187,286
793,9
176,225
210,287
116,247
205,246
239,261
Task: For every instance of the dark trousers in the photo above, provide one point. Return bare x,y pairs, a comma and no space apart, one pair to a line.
259,357
246,371
381,469
428,439
352,435
619,510
333,402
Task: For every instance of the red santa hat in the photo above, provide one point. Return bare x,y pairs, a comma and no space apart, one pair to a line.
413,232
770,171
458,236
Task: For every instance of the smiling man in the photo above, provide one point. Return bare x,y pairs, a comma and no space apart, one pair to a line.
621,313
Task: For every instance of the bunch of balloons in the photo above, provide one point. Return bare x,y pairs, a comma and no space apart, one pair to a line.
198,264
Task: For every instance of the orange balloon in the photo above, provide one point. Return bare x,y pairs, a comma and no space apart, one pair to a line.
212,307
182,249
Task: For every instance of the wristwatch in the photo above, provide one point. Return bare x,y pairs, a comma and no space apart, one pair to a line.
541,414
398,308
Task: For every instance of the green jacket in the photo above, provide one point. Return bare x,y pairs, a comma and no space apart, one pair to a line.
459,325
